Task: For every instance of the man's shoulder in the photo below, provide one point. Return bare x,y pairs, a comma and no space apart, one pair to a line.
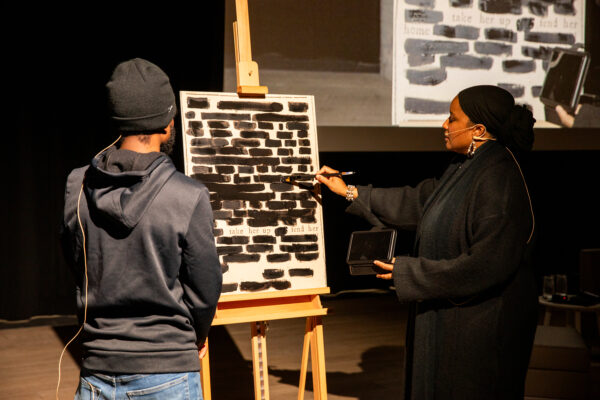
182,179
187,188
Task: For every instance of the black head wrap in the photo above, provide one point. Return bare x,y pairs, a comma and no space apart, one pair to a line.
495,108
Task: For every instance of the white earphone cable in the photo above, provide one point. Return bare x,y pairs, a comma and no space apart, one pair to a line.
85,306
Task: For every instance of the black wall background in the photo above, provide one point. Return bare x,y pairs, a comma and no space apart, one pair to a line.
56,64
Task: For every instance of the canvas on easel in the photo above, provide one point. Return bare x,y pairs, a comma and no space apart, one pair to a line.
269,233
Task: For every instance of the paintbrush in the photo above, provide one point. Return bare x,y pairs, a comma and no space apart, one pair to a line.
308,177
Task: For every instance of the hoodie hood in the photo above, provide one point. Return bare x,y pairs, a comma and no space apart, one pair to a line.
118,187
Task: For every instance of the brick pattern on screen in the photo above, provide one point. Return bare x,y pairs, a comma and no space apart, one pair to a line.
444,46
268,233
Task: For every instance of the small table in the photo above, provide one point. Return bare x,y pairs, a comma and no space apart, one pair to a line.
569,308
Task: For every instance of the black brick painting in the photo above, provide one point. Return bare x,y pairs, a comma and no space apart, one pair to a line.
268,232
441,47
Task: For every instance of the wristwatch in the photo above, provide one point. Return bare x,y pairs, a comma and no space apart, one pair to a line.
350,192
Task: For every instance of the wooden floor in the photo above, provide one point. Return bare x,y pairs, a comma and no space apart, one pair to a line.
364,336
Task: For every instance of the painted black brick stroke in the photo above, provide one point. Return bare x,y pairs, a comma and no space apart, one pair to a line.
267,178
296,160
249,106
458,31
550,37
430,77
500,6
220,133
465,61
254,134
241,258
261,286
241,179
225,188
461,3
296,196
272,117
298,248
302,271
201,169
296,126
225,160
518,66
493,48
299,238
280,205
421,3
229,249
297,106
226,116
280,257
260,152
425,106
233,240
253,198
259,248
263,239
416,60
209,142
538,8
212,177
540,53
217,124
244,125
229,287
197,102
273,273
565,7
278,214
306,256
428,47
505,35
423,16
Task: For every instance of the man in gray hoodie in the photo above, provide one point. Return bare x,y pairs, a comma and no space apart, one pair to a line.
139,237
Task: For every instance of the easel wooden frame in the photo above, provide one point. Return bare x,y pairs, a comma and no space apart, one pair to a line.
257,308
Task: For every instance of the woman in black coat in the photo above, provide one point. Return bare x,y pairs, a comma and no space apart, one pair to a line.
469,277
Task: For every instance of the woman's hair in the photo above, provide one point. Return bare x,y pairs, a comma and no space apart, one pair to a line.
495,108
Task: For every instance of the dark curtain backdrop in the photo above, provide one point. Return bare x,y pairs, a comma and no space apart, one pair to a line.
56,64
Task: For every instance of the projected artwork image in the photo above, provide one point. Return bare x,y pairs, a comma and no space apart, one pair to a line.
269,233
441,46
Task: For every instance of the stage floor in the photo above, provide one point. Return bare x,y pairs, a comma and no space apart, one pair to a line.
364,350
364,354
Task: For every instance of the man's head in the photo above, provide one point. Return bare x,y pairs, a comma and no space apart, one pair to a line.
140,98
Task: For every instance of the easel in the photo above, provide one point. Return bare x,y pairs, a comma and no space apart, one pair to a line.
246,69
257,308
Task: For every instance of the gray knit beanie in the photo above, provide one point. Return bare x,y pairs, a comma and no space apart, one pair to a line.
140,97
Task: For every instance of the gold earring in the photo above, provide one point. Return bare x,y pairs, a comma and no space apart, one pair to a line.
471,150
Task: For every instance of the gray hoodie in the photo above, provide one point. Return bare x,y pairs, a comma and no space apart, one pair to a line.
153,270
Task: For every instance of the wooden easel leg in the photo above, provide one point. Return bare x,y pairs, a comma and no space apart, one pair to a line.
304,366
205,375
259,360
318,360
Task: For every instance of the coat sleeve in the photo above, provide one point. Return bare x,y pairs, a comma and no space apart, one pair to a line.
201,270
498,233
401,206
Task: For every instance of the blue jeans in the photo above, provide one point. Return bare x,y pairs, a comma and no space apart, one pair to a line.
172,386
